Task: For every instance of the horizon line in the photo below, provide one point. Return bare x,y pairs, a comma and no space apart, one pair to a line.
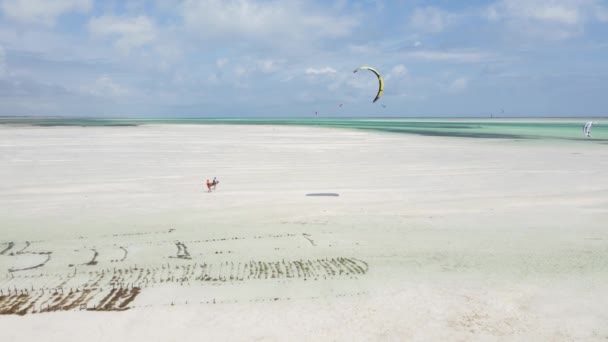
289,117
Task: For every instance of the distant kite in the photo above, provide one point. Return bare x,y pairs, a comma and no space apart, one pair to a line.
587,129
380,81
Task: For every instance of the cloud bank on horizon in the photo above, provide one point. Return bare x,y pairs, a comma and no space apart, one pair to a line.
242,58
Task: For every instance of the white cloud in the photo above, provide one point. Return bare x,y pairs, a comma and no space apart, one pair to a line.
601,14
268,65
213,79
550,19
448,56
240,70
417,43
132,32
104,86
135,5
562,14
320,71
430,19
43,12
2,63
561,11
284,21
361,49
221,62
247,66
491,13
399,69
458,85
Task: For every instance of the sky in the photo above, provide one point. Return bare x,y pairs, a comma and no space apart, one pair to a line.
292,58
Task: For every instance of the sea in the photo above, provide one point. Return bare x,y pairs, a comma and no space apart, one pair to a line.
556,129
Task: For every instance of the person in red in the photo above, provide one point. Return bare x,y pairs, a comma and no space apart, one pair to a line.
208,186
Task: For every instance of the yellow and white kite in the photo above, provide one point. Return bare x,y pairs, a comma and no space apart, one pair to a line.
380,80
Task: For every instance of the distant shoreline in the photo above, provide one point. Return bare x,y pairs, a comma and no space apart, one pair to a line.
2,117
557,129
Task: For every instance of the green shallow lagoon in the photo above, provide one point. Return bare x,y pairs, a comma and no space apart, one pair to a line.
529,129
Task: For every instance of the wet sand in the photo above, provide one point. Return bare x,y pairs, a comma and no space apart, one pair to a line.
110,233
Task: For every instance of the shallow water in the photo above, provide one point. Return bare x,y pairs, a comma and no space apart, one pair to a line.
528,129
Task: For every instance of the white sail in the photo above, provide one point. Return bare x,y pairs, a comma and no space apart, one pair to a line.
587,128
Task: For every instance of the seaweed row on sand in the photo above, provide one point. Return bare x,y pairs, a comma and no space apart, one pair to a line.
25,302
112,289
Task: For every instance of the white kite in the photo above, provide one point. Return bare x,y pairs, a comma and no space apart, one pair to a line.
587,129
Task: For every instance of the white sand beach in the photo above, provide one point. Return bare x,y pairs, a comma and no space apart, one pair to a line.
109,233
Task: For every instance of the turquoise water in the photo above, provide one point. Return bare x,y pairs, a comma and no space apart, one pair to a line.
530,129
